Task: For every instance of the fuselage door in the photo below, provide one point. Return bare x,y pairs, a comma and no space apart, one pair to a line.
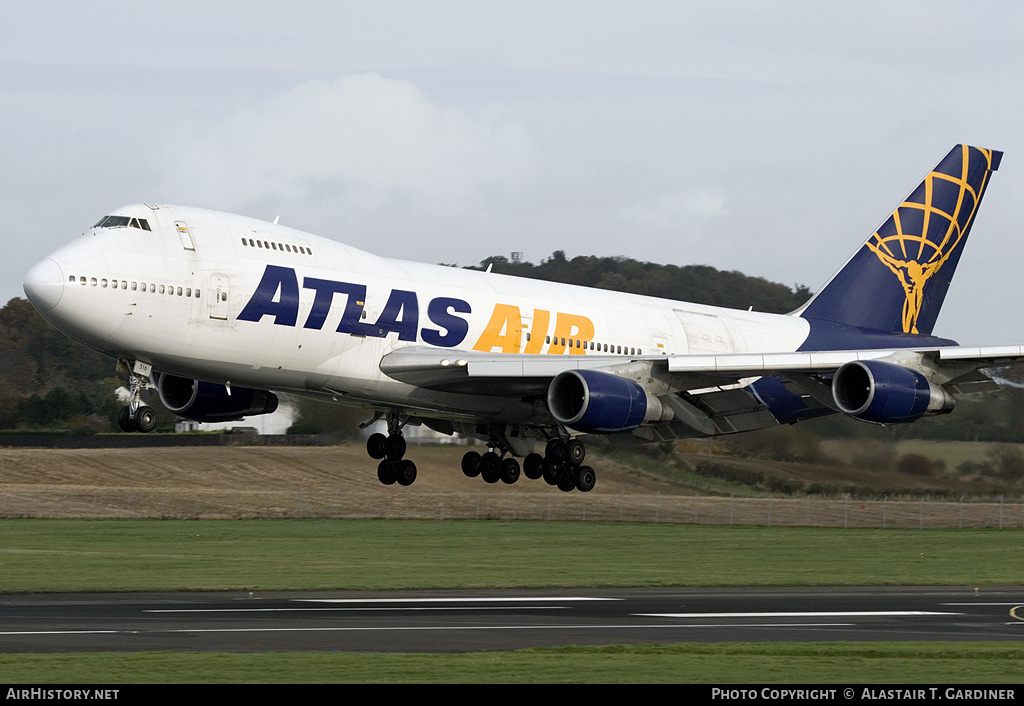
218,297
705,333
186,237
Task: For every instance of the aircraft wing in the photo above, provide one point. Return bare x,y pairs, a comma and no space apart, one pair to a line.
960,368
721,394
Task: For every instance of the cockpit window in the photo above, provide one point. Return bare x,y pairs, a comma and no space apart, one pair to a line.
112,222
123,222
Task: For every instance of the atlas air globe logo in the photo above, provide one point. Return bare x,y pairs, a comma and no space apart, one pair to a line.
927,229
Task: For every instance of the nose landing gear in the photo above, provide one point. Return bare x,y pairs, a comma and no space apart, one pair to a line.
136,416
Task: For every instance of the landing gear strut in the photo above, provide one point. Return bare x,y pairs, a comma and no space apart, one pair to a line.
390,449
136,416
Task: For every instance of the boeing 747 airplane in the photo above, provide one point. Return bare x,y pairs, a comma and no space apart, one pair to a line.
218,313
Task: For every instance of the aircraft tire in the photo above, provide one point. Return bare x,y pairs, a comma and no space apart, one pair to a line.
124,420
550,473
566,480
386,472
509,470
145,419
394,447
554,452
405,472
375,445
586,479
490,467
471,464
575,452
533,466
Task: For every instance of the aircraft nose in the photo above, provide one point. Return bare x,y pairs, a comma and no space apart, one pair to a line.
44,285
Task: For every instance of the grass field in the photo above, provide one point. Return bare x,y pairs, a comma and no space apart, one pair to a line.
137,555
730,663
214,555
130,555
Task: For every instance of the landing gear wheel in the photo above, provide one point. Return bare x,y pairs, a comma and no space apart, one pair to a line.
533,466
586,479
509,470
554,452
124,420
386,472
575,452
375,445
566,480
490,467
145,419
550,473
394,447
471,464
405,472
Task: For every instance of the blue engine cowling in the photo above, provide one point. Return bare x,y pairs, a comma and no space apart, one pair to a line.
597,403
211,402
886,393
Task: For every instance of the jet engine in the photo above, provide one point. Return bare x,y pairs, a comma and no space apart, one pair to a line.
211,402
886,393
600,403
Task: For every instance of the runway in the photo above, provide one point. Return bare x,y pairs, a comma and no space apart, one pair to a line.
458,621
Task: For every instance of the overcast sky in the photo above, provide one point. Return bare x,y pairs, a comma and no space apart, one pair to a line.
766,137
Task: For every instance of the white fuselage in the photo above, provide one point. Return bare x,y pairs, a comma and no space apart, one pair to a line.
171,296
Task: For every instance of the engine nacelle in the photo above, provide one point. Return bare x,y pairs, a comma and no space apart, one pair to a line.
886,393
600,403
210,402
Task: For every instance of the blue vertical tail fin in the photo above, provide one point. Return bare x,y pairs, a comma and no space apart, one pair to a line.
896,282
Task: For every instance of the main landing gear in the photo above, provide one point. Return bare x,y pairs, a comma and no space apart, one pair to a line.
390,449
136,416
560,466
